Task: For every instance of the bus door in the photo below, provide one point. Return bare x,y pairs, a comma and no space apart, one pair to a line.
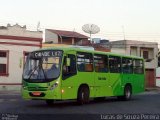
69,77
101,75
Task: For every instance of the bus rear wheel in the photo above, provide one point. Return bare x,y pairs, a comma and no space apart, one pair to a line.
83,95
127,93
49,102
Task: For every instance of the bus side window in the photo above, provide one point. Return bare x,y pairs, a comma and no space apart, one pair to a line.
114,64
101,63
127,65
69,70
84,62
138,66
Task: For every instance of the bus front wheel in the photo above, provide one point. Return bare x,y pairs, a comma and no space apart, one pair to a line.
83,95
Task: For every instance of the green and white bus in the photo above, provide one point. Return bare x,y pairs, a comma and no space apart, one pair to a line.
73,73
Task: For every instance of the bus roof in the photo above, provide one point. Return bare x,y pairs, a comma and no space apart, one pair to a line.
70,48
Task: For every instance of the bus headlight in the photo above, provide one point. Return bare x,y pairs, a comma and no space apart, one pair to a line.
54,86
24,85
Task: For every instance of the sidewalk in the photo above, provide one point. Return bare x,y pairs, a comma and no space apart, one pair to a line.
10,92
153,89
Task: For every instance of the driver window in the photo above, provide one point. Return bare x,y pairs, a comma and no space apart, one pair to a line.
69,70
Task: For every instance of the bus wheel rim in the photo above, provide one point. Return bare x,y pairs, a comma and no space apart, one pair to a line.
128,93
82,95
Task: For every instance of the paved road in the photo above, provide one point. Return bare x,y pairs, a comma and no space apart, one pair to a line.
146,103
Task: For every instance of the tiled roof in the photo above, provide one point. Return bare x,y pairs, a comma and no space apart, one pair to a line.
64,33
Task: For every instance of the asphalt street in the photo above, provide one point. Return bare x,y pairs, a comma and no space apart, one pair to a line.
145,103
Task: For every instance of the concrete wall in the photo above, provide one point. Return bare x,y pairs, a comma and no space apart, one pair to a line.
130,47
151,47
118,50
17,30
50,36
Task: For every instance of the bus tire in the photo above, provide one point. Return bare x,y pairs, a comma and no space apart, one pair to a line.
127,93
49,102
83,95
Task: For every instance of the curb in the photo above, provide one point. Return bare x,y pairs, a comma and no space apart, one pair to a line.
153,89
10,92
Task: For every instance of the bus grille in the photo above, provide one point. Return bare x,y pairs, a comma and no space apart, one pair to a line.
37,88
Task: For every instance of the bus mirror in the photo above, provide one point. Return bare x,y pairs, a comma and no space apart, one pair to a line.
68,62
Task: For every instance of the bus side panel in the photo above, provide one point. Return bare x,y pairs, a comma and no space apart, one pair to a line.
127,79
71,84
138,83
102,85
69,87
115,84
86,78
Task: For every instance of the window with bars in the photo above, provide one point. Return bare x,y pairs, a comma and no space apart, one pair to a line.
145,55
4,56
3,68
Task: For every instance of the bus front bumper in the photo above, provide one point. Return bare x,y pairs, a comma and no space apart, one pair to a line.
41,95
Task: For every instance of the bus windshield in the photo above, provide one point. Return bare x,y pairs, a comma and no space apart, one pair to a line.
42,66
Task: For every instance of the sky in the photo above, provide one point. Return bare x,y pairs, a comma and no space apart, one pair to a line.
117,19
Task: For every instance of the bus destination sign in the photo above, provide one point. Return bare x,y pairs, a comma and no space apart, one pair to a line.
39,54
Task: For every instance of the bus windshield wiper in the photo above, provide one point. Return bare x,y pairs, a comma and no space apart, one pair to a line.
34,69
40,68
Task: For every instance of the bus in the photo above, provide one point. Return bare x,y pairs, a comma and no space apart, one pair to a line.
53,74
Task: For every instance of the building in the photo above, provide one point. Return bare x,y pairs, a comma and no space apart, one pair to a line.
15,43
102,45
65,37
147,50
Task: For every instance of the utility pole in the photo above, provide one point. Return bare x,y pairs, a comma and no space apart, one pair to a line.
123,32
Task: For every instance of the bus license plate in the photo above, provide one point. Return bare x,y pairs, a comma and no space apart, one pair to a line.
36,93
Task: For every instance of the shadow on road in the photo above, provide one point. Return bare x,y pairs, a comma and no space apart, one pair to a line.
72,103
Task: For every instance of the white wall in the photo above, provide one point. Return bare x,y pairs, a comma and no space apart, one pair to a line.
15,71
16,54
118,50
